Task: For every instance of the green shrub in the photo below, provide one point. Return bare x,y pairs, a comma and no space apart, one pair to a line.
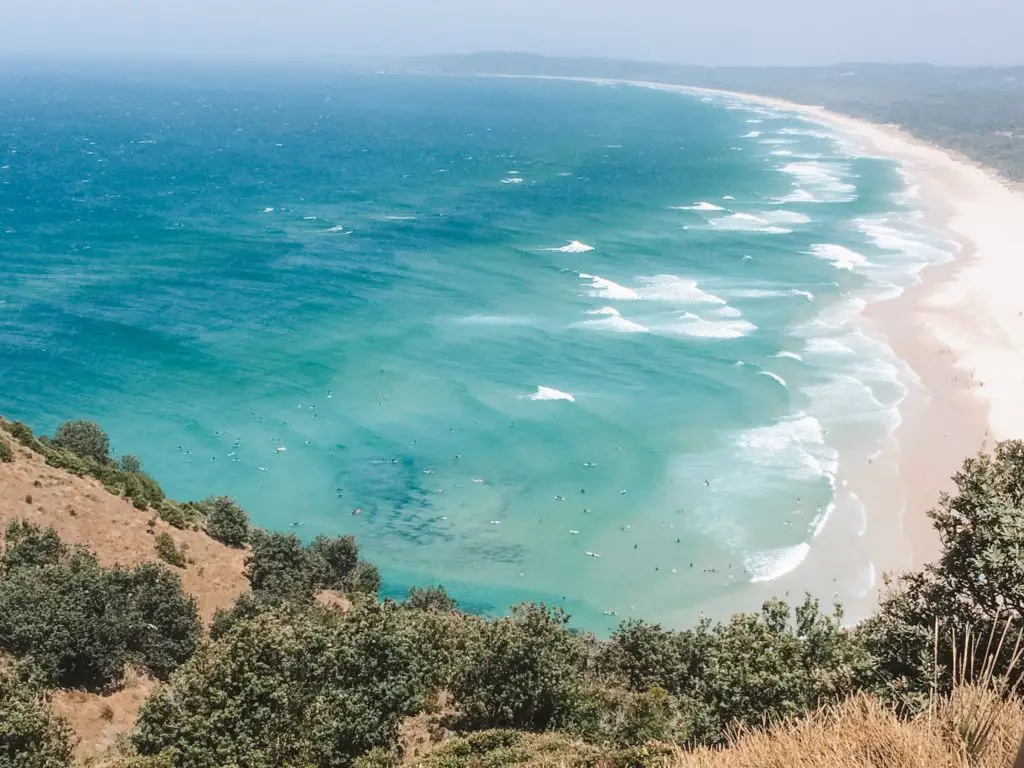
365,580
28,546
524,672
130,463
78,624
23,435
975,586
772,664
62,458
226,521
431,598
31,735
84,438
340,556
280,566
172,513
6,454
167,551
303,686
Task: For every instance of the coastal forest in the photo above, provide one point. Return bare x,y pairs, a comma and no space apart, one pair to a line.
299,663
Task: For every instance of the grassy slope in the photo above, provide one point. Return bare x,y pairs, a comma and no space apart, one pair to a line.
83,512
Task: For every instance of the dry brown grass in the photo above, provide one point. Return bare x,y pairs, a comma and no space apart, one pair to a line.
97,721
974,728
83,512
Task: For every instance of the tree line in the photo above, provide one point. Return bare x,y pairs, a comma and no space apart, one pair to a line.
281,679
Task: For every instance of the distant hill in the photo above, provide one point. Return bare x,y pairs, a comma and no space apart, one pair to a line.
977,111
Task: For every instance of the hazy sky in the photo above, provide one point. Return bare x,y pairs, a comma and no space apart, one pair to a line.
685,31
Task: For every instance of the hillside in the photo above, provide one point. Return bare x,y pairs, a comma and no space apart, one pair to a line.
83,512
262,670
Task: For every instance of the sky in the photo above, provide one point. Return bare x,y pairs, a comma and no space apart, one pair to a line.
711,32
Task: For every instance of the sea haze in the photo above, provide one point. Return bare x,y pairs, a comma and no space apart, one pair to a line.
592,345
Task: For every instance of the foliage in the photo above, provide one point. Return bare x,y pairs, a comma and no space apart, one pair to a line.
280,566
431,598
6,454
770,664
226,521
79,624
84,438
167,551
295,686
365,579
28,545
23,435
524,671
340,556
31,735
976,584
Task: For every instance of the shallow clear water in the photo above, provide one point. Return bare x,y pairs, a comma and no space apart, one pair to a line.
512,322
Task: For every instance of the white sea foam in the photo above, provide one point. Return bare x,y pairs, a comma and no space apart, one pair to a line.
701,206
727,312
671,288
775,376
771,564
782,153
548,393
784,217
610,319
309,218
791,355
819,182
840,256
826,346
746,222
268,210
574,247
512,180
754,120
339,228
794,446
751,135
607,289
769,293
693,325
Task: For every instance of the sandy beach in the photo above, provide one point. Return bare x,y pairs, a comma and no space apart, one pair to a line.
960,330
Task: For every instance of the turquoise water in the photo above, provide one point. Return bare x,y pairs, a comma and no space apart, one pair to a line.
516,324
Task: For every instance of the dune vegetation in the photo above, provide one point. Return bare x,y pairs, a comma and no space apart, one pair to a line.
291,659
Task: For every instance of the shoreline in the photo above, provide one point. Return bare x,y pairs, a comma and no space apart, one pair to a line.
946,328
958,330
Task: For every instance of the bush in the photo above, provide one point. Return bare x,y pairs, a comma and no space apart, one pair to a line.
280,566
84,438
167,551
365,580
302,686
226,521
431,599
523,672
6,454
62,458
340,556
975,586
173,514
78,624
31,735
774,664
23,435
29,546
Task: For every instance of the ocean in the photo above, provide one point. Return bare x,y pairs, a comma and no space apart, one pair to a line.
593,345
